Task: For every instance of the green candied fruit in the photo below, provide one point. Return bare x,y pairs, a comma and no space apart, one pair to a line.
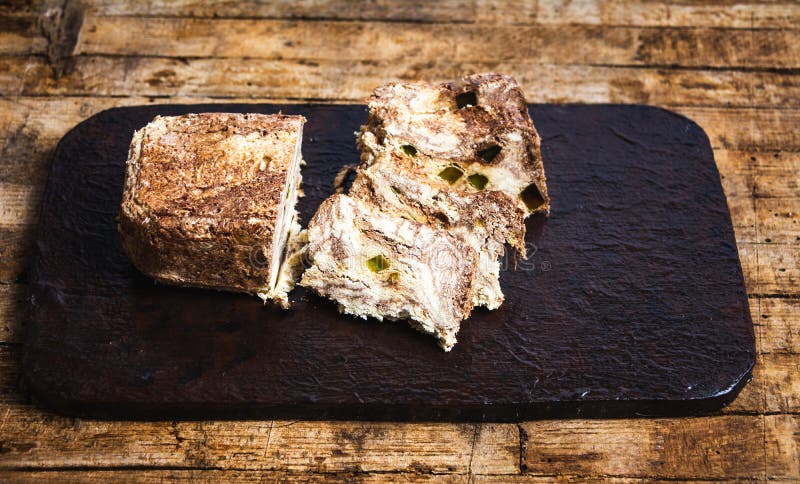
532,197
451,174
394,277
478,181
466,99
490,153
378,263
395,190
409,150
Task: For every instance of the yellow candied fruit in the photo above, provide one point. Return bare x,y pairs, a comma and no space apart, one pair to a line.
478,181
451,174
378,263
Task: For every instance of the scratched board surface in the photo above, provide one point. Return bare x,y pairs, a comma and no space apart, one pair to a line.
632,301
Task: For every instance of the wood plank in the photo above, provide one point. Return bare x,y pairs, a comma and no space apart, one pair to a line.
779,325
740,14
216,476
34,439
737,14
709,447
409,42
13,311
527,478
782,438
354,81
460,11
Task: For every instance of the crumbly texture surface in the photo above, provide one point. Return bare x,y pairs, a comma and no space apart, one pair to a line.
460,159
209,199
464,155
478,126
486,220
375,264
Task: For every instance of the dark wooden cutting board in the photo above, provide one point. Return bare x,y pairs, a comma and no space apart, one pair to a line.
632,301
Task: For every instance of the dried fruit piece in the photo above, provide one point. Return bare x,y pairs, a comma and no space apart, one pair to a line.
532,197
451,173
466,99
409,150
478,181
490,153
442,218
378,263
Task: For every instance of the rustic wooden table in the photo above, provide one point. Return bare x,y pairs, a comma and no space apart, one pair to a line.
731,65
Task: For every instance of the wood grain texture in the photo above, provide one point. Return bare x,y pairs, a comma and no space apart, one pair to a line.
776,174
739,14
680,448
449,11
778,269
782,446
407,42
781,375
778,220
354,80
778,325
213,476
729,14
40,441
743,109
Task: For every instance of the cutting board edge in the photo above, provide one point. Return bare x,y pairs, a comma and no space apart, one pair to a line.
558,409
